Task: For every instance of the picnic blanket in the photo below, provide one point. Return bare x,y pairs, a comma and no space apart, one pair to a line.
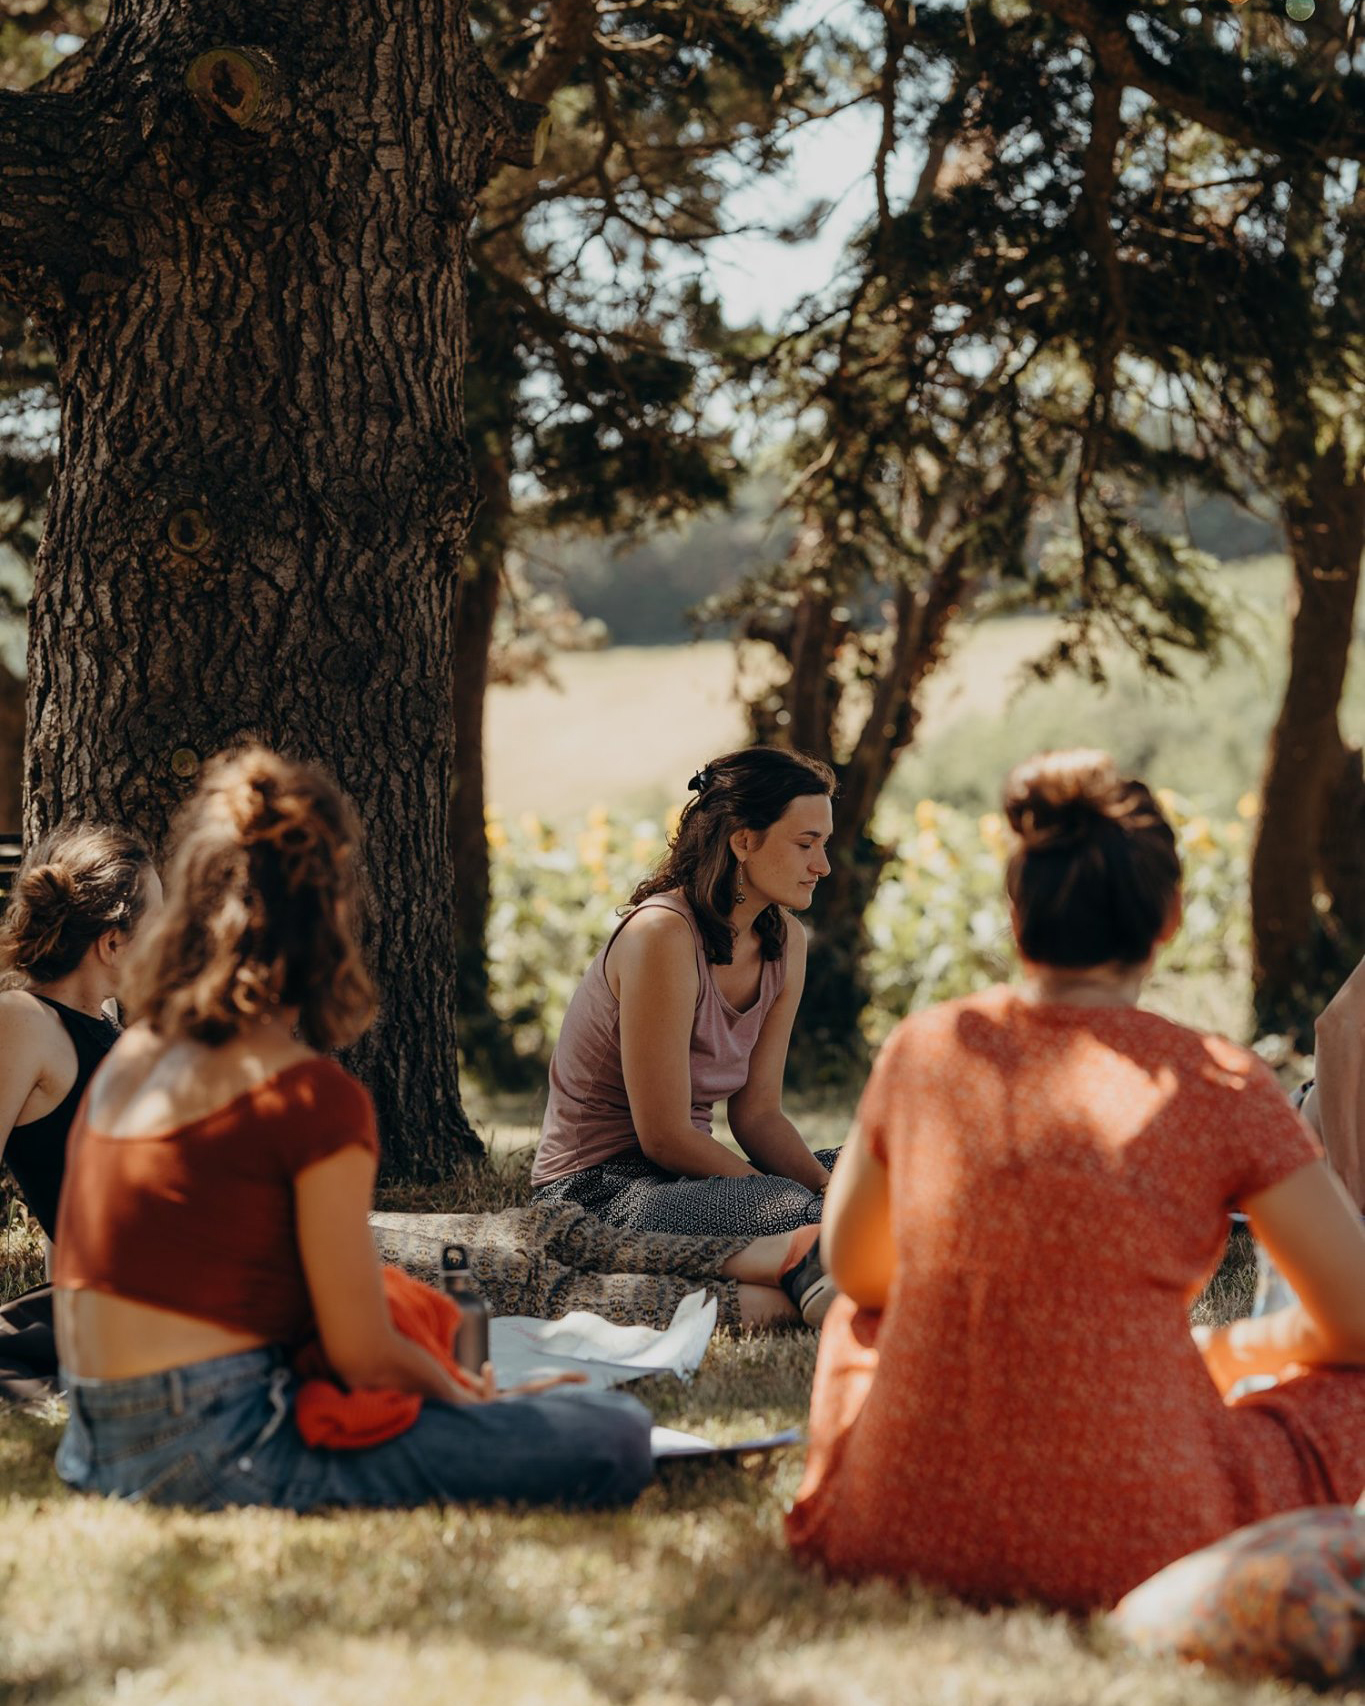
545,1264
549,1260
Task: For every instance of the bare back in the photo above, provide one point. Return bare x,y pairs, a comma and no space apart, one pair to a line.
148,1086
37,1061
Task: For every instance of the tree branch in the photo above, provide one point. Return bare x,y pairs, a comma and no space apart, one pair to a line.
1095,217
896,38
1331,123
43,220
564,42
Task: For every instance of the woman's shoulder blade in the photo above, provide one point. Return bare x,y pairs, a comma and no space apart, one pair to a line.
31,1035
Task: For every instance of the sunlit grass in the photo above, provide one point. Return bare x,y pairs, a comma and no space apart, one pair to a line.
690,1597
21,1247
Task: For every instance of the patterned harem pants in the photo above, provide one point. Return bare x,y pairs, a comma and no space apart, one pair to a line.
629,1191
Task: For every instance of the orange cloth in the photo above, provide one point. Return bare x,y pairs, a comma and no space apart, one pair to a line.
1029,1416
329,1416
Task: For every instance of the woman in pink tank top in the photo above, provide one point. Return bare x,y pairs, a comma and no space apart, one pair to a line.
691,1002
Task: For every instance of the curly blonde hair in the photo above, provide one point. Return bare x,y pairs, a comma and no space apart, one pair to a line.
261,897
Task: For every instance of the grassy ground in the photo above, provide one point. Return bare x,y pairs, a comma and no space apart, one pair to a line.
690,1597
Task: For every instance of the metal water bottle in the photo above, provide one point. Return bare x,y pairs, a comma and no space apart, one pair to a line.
471,1336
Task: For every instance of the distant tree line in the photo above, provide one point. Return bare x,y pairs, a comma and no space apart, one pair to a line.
651,592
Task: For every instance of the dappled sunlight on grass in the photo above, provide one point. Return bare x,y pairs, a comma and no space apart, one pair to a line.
688,1598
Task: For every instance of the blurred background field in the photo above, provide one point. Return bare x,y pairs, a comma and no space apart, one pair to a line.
628,725
583,781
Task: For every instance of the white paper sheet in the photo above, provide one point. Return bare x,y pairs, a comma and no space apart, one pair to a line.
522,1348
671,1443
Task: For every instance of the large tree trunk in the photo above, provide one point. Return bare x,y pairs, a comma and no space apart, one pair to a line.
827,1042
480,586
827,1036
1296,960
251,263
11,751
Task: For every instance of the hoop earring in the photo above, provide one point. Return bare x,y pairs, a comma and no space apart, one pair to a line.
739,882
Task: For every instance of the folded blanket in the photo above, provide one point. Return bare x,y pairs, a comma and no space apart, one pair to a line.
329,1416
548,1260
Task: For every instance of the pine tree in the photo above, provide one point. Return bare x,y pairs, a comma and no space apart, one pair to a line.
244,231
1090,292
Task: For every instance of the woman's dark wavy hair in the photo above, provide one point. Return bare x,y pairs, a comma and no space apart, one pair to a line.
261,896
743,790
1095,869
82,881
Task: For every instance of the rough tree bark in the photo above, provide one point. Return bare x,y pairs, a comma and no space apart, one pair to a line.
1306,787
11,751
481,579
245,233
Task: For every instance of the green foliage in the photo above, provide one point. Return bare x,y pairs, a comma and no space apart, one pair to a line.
21,1243
596,343
1202,732
938,925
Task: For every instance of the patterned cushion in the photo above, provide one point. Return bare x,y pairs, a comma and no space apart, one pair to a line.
1283,1597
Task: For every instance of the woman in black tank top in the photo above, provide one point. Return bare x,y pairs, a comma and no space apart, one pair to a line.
36,1151
75,904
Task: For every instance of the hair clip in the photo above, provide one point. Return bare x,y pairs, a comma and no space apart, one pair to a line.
701,781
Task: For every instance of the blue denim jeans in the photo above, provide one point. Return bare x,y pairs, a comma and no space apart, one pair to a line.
222,1433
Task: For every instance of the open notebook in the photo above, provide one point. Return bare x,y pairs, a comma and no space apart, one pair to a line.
523,1348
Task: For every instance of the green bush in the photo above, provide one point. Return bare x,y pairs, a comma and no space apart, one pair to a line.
939,926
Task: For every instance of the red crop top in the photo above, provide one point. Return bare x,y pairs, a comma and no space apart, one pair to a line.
200,1220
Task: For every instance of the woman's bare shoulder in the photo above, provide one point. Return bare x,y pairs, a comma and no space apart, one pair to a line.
655,930
162,1082
22,1016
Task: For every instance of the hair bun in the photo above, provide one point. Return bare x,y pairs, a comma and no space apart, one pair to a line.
268,810
47,895
82,880
1059,798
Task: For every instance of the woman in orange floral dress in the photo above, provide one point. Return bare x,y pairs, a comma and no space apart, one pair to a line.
1009,1402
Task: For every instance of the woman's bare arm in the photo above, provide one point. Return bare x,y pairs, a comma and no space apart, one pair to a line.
23,1037
761,1127
332,1203
1312,1232
855,1243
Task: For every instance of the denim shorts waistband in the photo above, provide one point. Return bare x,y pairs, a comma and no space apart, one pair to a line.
173,1388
